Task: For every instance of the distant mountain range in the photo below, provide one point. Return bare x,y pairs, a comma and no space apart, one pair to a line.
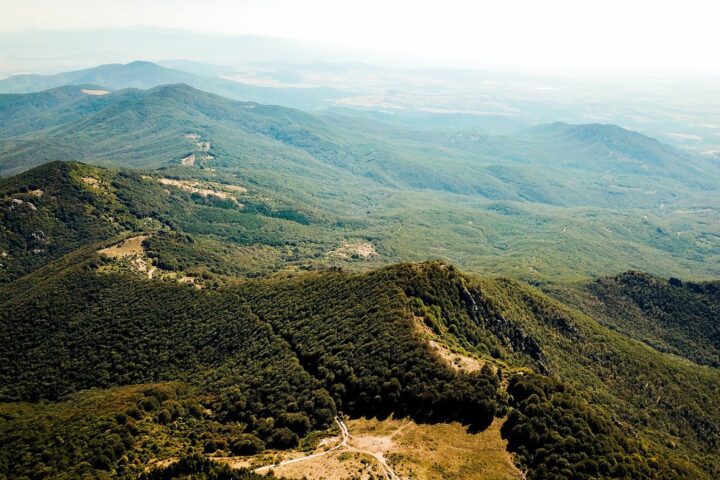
56,50
608,195
146,75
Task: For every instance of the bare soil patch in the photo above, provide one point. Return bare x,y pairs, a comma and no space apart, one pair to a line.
408,451
126,248
93,182
204,189
354,249
456,360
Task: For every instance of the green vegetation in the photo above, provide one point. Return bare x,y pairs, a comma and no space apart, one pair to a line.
670,315
92,431
118,431
554,202
667,401
559,435
256,361
49,212
271,360
59,207
199,468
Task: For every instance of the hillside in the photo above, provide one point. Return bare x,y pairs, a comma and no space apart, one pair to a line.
561,203
622,148
682,318
555,164
245,223
361,352
199,224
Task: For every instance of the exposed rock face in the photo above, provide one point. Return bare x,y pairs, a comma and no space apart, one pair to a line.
37,242
508,332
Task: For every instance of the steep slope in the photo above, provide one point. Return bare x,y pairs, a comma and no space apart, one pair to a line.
102,330
664,400
146,75
682,318
52,210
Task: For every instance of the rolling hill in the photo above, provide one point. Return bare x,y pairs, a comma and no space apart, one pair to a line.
496,206
547,165
61,206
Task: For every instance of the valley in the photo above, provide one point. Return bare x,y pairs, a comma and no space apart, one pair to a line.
547,213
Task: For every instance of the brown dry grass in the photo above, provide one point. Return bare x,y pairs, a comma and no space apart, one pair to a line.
433,452
442,451
126,248
334,466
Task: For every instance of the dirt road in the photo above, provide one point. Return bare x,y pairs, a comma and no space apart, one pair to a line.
348,443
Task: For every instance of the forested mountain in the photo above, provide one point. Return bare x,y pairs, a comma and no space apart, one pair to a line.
487,197
61,206
276,358
682,318
115,279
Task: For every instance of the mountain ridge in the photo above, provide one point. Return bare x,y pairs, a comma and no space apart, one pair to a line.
144,75
508,318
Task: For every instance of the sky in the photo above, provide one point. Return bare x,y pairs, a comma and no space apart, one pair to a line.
628,34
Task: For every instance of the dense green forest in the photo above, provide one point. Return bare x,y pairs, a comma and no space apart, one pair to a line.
59,207
557,434
199,468
672,316
103,330
266,362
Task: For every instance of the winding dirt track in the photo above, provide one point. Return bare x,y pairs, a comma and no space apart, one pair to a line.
346,446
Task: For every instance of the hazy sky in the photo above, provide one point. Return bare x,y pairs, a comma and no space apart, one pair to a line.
682,35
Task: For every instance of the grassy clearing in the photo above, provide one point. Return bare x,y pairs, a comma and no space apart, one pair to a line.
413,451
